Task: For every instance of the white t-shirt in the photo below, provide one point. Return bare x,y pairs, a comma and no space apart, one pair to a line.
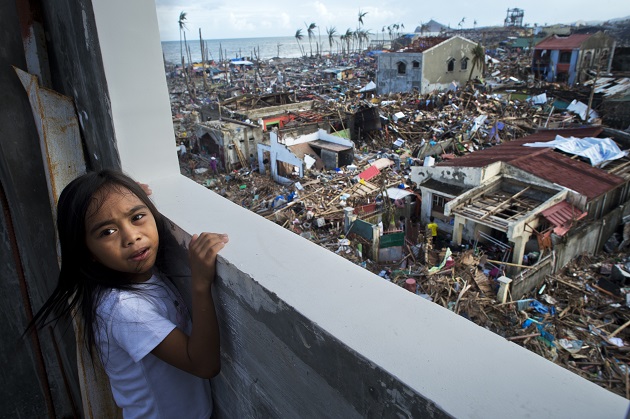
130,324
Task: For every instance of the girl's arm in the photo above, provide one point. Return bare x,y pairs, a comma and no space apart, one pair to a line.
198,353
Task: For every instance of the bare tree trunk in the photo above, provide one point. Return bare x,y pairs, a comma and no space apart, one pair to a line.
203,60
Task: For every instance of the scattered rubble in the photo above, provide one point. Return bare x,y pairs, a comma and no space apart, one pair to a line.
577,318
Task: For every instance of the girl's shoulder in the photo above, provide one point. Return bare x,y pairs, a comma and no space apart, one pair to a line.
140,294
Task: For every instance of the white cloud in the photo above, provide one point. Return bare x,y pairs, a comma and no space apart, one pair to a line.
254,18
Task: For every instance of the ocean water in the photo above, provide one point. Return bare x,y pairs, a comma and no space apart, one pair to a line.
266,48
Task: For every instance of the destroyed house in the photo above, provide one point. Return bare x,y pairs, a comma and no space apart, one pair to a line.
428,64
569,58
288,157
339,73
527,199
231,142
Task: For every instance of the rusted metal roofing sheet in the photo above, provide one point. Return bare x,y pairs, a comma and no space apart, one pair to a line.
547,164
444,188
563,42
512,150
563,215
573,174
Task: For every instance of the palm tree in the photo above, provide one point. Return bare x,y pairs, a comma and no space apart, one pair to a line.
331,36
182,28
461,22
311,32
361,16
298,38
348,37
478,59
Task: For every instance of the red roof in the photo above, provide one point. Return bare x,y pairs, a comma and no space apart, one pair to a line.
369,173
562,216
563,42
545,163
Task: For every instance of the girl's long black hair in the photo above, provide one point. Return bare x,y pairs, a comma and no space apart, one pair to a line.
82,280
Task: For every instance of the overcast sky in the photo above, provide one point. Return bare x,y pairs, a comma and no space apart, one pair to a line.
220,19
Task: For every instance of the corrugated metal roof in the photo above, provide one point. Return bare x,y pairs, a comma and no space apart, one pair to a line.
562,216
573,174
545,163
327,145
563,42
511,150
445,188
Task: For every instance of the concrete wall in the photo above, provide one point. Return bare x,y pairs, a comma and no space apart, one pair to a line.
459,176
435,74
596,44
38,375
388,80
532,278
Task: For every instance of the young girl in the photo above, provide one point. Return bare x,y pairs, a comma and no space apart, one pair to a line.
113,242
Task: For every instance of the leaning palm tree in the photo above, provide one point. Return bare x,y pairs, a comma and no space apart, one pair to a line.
478,59
361,16
331,36
298,38
311,32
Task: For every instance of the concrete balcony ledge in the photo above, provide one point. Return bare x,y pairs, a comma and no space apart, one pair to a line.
306,333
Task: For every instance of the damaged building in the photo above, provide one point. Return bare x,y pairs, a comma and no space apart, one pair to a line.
532,196
569,58
428,64
288,157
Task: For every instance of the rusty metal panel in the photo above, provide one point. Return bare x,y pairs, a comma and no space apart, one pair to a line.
59,135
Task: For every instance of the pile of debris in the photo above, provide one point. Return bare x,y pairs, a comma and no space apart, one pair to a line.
576,318
571,319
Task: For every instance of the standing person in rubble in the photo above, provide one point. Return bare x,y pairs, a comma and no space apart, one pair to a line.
433,228
252,162
213,165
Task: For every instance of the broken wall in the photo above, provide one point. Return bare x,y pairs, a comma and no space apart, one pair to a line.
601,46
280,153
255,114
435,74
531,279
388,77
459,176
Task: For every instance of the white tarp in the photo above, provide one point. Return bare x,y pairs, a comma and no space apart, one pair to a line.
309,161
580,109
479,121
538,99
368,87
397,193
597,150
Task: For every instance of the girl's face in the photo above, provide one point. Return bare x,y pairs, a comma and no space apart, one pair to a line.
121,233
